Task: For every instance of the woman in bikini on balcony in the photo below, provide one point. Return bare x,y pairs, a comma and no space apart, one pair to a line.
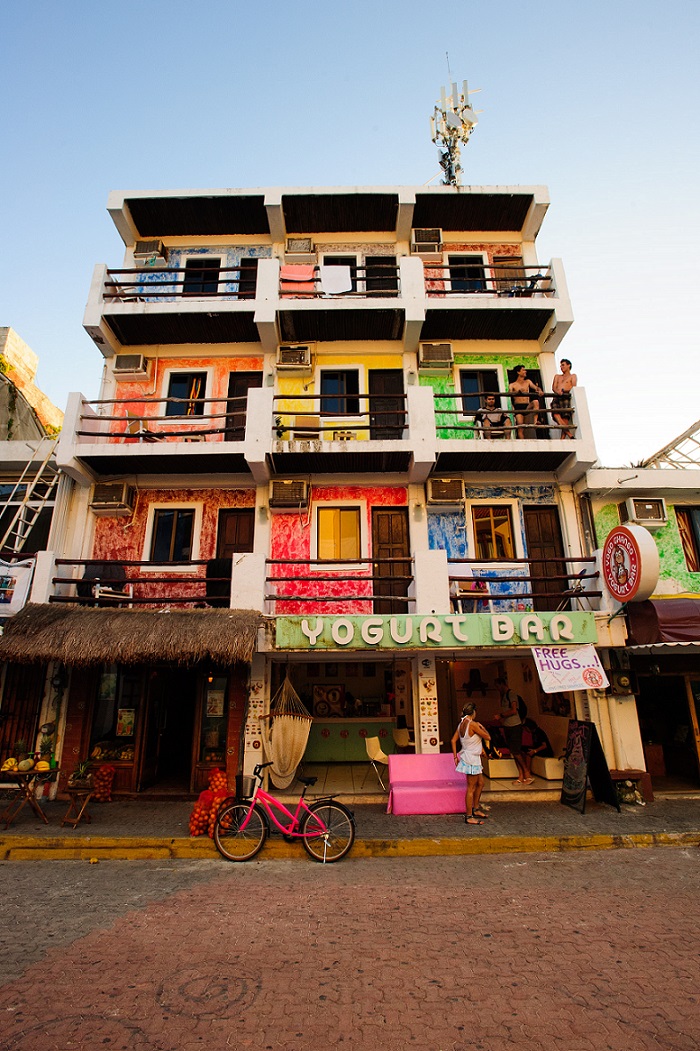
525,406
561,387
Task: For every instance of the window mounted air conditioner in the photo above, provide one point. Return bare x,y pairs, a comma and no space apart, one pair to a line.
427,244
288,494
294,358
445,491
150,252
435,356
131,367
113,498
299,250
650,513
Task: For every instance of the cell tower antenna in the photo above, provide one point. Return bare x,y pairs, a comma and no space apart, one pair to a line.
451,125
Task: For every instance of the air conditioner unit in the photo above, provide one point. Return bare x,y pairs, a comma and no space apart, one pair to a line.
113,498
445,491
650,513
435,356
155,251
299,250
131,367
288,494
427,244
294,358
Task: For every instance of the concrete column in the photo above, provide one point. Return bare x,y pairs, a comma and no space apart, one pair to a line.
44,570
627,737
248,582
432,589
422,433
258,431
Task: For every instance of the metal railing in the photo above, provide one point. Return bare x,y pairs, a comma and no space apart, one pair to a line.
305,282
150,284
122,582
469,279
366,585
480,585
338,417
536,419
148,419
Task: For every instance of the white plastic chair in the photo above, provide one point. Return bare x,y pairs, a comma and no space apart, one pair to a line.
403,739
376,755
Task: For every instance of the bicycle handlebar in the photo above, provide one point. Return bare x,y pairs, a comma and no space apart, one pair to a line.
258,768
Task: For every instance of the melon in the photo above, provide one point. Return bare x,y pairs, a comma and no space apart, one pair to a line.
26,764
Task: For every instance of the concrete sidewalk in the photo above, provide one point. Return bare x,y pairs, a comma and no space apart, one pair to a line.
142,829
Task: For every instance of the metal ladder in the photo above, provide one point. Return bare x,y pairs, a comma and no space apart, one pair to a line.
38,490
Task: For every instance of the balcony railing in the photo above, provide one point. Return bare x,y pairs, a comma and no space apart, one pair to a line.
315,282
542,418
489,585
148,420
130,582
352,586
340,417
168,284
509,282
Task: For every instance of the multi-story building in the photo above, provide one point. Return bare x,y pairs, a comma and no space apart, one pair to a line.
286,473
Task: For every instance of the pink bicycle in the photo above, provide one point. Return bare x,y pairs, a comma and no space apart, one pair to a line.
325,827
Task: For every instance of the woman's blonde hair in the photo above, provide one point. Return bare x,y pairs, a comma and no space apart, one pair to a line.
469,709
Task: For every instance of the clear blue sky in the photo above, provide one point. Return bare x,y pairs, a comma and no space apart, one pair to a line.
599,101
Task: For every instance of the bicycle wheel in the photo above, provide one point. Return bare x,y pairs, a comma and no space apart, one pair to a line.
331,840
233,842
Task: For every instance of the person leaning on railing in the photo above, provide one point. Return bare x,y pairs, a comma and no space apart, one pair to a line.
492,421
562,385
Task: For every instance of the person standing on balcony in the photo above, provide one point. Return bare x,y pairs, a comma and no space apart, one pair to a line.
525,406
492,421
562,385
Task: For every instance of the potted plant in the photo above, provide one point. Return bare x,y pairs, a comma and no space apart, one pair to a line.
81,776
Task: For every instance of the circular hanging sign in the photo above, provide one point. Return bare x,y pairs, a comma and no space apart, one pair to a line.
630,563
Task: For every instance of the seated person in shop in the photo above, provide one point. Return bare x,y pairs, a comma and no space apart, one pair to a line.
492,421
535,742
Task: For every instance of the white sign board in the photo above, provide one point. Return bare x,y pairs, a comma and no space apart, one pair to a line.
15,580
563,668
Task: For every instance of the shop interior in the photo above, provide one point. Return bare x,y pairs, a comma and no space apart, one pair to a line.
668,726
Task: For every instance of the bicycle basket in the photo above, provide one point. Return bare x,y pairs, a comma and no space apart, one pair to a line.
245,786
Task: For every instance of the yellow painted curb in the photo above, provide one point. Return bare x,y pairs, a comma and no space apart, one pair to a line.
124,848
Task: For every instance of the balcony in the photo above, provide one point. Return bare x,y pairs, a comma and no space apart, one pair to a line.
470,301
364,586
130,583
530,441
340,434
521,584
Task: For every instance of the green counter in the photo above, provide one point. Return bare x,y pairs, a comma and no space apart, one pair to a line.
343,740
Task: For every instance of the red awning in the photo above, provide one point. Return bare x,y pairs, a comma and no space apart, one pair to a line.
663,620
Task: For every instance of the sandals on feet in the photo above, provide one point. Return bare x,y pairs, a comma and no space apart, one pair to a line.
472,821
480,813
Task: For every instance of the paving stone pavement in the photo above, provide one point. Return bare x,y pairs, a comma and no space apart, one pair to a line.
521,818
594,952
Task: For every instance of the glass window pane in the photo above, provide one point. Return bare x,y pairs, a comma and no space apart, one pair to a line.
162,534
349,534
326,533
182,546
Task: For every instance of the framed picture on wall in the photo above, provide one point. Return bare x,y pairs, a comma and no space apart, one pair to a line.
329,701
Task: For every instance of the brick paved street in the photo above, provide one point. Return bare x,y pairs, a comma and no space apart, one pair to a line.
593,952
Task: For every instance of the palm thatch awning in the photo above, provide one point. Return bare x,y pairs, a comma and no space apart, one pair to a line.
80,637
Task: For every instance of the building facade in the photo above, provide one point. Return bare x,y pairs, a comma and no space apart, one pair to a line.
288,475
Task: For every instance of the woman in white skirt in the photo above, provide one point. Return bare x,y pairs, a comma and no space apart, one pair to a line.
470,735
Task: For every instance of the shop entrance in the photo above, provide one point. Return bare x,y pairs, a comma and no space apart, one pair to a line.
669,708
166,752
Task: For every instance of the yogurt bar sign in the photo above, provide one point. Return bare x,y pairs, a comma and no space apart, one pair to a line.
434,632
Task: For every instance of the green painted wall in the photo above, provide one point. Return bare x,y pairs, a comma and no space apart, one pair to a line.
674,576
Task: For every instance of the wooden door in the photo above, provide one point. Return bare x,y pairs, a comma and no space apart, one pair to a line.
236,531
387,411
544,541
390,540
239,383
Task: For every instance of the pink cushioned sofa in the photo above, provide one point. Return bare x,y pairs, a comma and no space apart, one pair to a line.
425,784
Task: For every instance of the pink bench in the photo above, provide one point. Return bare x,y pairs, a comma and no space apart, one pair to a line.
425,784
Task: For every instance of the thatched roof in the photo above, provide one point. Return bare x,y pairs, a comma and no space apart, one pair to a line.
78,636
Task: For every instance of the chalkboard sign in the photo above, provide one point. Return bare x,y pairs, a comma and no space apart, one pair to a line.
584,763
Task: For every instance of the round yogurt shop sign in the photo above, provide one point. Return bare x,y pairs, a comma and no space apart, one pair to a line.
630,563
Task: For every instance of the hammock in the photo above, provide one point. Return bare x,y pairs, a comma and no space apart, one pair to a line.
286,735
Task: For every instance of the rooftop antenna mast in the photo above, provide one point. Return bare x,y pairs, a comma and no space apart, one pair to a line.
451,125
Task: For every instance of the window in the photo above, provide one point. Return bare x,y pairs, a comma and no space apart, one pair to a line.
688,519
339,392
34,523
473,384
201,277
189,386
493,532
173,531
338,532
248,278
381,275
467,273
508,273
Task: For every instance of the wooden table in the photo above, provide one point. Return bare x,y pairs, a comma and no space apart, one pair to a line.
77,811
27,782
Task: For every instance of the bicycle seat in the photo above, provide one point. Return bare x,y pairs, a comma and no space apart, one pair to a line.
308,781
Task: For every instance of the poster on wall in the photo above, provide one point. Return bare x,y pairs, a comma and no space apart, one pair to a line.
215,703
329,701
126,718
563,668
15,580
